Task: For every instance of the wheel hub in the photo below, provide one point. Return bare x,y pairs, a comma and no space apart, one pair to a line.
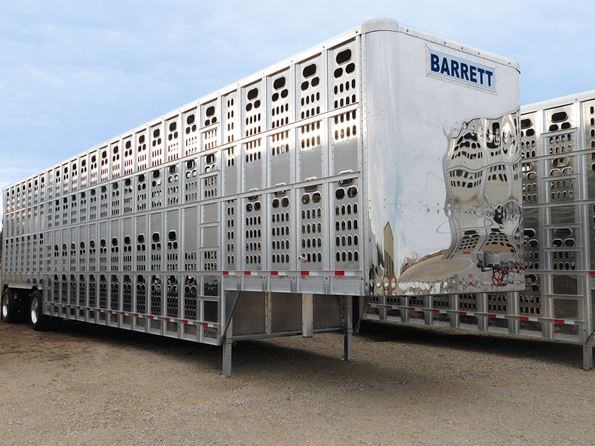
34,310
4,307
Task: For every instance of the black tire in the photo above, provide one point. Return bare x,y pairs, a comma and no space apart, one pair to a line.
37,320
8,306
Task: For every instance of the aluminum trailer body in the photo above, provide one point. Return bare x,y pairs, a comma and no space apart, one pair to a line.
384,162
558,194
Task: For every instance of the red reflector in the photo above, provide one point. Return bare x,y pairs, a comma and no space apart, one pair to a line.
184,321
274,273
559,321
339,273
492,315
205,325
247,273
592,273
304,273
524,318
226,273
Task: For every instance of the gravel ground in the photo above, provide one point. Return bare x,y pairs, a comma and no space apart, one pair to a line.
94,385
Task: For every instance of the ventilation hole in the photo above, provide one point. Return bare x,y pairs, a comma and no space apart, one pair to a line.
279,83
309,70
252,94
559,117
343,56
526,123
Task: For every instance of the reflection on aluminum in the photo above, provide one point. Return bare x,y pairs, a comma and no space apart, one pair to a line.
482,178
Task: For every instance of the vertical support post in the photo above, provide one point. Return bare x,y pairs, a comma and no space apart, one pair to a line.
482,306
428,303
348,335
227,346
513,304
587,348
454,314
382,310
404,312
268,311
307,315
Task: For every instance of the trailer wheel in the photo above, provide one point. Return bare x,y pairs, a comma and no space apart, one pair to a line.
37,319
8,308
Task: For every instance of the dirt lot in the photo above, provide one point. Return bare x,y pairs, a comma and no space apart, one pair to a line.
94,385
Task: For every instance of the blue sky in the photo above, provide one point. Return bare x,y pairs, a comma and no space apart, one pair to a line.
75,73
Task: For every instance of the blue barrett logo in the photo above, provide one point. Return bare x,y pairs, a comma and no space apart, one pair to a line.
454,68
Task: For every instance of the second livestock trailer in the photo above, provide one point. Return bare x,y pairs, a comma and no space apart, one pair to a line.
379,164
557,143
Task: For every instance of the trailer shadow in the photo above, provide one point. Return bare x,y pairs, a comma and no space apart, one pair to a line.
252,360
539,350
257,357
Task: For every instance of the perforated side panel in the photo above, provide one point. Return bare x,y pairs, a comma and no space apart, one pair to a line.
190,181
156,144
156,295
311,229
231,216
347,243
191,141
280,231
253,236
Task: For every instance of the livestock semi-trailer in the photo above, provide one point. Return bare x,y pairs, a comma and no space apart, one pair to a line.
382,164
557,144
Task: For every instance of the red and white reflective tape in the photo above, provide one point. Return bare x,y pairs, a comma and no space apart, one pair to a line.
310,273
466,313
279,273
496,316
528,319
345,274
303,273
563,322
